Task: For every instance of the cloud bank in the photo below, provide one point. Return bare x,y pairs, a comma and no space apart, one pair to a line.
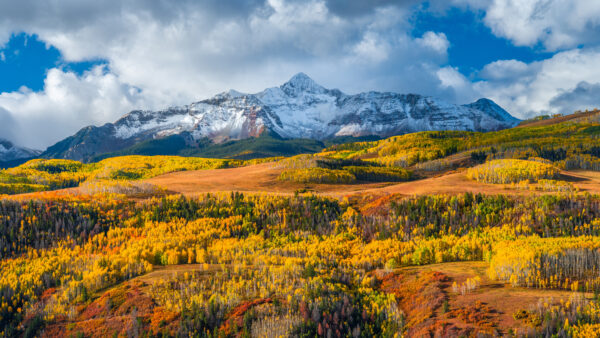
158,54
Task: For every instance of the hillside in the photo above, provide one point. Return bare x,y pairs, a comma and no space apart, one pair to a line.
436,176
264,146
569,145
447,233
579,116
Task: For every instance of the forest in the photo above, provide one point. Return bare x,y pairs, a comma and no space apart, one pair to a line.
309,256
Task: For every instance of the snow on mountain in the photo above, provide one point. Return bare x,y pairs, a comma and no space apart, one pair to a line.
10,152
300,108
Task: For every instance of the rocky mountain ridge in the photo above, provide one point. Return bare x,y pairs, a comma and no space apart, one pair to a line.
300,108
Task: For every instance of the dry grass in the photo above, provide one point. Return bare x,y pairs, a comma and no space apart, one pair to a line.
256,178
487,310
124,310
264,178
418,296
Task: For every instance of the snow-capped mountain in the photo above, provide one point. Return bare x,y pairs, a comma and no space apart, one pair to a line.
10,152
300,108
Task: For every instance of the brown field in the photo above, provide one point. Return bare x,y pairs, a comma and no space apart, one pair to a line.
262,178
255,178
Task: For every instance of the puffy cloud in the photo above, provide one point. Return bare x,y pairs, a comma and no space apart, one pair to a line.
67,103
561,83
555,24
456,84
159,54
436,41
544,86
198,48
504,70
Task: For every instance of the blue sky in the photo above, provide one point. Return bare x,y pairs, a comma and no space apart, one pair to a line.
472,43
71,63
25,60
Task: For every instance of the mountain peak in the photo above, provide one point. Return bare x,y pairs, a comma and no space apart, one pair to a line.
231,94
301,76
299,108
486,102
9,151
490,107
301,83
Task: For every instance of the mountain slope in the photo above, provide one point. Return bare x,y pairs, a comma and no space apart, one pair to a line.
267,144
10,152
300,108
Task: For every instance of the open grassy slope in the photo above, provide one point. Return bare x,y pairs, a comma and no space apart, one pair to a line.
42,174
264,178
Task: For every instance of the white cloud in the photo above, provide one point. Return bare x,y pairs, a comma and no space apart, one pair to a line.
66,104
451,77
179,54
557,24
562,83
436,41
504,69
159,54
456,83
546,81
372,48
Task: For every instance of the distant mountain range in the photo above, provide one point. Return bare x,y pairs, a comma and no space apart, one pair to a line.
298,109
11,153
